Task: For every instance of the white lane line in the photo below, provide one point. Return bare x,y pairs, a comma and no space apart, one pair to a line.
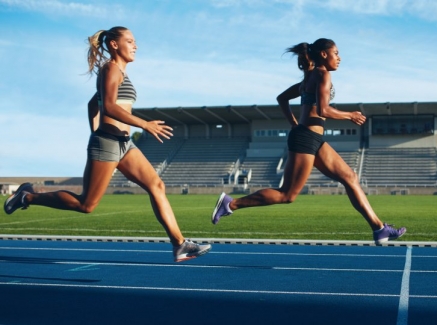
405,290
208,290
87,267
423,296
212,252
259,267
227,253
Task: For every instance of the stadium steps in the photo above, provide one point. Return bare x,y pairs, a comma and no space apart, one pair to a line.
316,178
263,171
155,151
400,167
202,161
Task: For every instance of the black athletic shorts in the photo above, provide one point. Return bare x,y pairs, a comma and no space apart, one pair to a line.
303,140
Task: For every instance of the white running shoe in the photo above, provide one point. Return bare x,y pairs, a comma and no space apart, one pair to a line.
189,250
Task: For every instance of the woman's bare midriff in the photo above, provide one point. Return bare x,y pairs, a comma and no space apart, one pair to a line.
115,127
307,111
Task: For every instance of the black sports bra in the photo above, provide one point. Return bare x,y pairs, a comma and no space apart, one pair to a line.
310,98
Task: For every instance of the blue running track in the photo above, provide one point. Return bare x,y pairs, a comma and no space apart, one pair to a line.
128,282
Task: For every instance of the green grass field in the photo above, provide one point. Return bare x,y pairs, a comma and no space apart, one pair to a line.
310,217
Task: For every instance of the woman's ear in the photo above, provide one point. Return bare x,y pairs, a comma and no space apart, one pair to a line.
113,44
324,54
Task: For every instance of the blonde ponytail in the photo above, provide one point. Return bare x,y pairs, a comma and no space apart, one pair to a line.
96,51
99,45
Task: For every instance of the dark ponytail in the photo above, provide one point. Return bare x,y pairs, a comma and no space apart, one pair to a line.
308,55
303,58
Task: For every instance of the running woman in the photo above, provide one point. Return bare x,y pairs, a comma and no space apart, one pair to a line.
110,147
305,141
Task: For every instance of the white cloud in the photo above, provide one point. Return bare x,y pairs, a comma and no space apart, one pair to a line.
50,6
421,8
426,9
262,12
254,3
225,3
379,7
70,8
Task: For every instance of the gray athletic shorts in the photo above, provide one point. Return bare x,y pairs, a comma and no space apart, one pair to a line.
104,146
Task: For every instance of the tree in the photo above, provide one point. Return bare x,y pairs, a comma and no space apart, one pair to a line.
136,136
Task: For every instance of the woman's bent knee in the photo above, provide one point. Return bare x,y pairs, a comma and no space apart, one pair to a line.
87,207
288,198
350,178
158,186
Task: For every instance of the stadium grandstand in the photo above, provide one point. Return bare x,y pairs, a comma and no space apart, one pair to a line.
241,149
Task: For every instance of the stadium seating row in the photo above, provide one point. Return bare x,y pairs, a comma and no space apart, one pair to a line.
213,162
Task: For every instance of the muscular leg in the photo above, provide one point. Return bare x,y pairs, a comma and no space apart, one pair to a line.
297,170
96,179
139,170
330,163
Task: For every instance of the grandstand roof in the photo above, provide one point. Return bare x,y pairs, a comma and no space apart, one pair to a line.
213,115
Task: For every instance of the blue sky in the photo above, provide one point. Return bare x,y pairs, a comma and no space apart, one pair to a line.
195,53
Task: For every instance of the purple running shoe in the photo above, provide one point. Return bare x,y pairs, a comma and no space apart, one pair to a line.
15,201
221,208
387,233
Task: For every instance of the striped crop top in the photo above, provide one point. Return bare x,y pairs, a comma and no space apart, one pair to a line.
126,92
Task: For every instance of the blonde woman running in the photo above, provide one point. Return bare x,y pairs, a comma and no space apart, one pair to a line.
110,146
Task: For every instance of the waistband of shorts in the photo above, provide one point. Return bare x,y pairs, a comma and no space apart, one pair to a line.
317,121
111,136
305,128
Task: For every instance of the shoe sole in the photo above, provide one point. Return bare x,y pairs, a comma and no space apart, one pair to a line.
200,253
13,196
217,206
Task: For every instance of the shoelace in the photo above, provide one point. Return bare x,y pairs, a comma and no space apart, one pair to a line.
391,229
191,245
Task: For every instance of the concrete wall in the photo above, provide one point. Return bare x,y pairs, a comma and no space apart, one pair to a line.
193,190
